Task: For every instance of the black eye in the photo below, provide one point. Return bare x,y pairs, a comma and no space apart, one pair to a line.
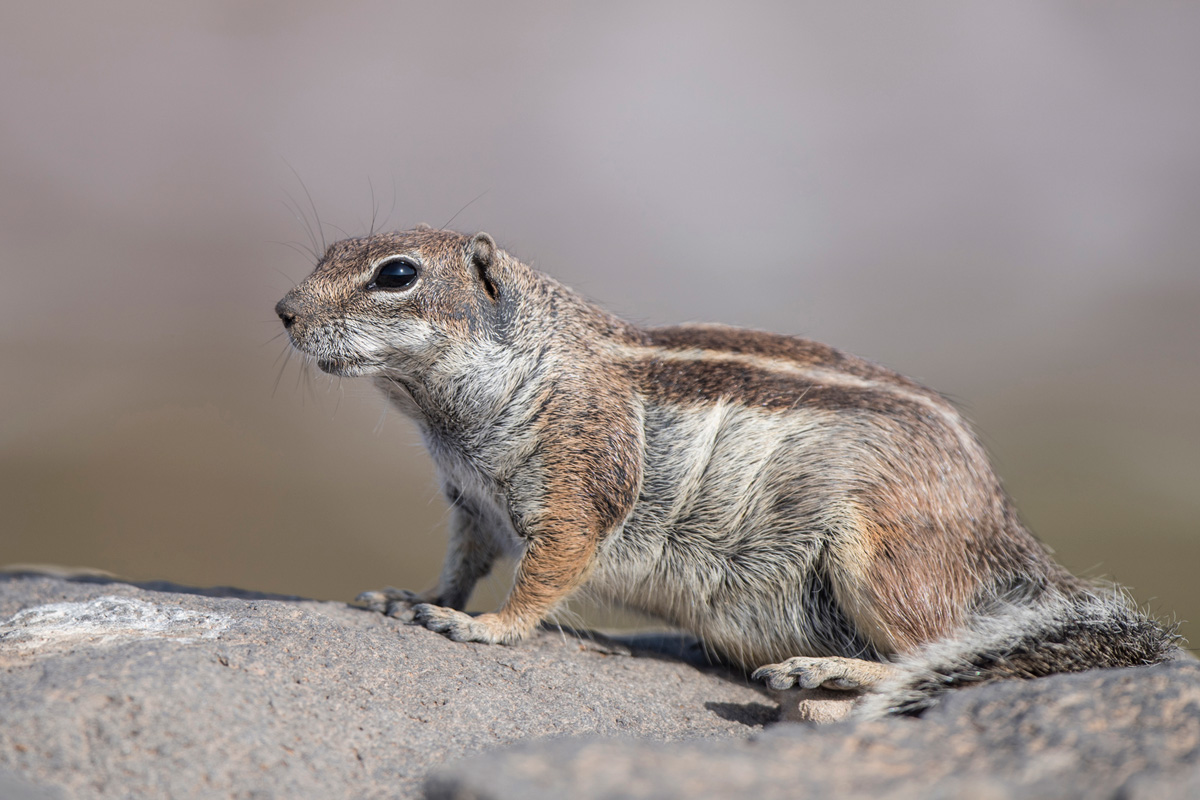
398,274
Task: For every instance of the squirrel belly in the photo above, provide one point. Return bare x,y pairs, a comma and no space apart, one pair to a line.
809,515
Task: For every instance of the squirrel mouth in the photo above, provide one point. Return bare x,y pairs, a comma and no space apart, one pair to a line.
343,367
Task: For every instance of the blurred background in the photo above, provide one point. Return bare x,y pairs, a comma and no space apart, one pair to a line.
998,199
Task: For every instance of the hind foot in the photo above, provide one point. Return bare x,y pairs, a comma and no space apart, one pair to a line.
845,674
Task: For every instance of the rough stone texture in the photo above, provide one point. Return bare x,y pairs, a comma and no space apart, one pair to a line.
814,705
13,787
1131,733
111,690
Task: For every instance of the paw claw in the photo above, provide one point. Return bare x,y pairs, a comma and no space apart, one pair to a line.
426,614
844,674
774,677
399,610
369,599
811,681
456,625
389,601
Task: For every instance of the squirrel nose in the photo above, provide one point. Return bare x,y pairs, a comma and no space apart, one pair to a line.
286,311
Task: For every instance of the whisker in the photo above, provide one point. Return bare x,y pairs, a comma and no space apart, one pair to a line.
299,383
310,387
287,349
284,274
392,210
302,250
294,209
383,413
374,207
465,207
312,205
287,356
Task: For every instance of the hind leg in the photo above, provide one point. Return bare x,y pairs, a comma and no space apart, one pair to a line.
833,672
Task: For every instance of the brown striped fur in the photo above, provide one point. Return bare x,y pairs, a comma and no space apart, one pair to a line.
777,497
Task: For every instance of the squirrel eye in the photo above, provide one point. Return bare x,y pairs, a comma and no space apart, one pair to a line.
397,274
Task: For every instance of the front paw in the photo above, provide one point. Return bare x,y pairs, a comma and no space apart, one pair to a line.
456,625
398,603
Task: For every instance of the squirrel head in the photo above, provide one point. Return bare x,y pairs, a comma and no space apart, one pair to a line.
395,303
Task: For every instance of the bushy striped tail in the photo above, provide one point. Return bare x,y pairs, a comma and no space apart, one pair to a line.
1056,632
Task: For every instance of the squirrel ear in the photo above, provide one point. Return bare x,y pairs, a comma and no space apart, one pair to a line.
422,226
482,251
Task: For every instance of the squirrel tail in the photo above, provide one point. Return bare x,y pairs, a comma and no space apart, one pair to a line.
1053,632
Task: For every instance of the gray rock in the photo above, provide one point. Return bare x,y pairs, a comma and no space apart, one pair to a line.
114,690
1130,733
111,690
13,787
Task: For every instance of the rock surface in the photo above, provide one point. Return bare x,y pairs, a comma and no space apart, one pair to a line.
113,690
1130,733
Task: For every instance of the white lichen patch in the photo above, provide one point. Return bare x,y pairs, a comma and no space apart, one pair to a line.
105,620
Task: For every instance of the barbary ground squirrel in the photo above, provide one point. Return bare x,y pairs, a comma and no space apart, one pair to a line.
809,515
